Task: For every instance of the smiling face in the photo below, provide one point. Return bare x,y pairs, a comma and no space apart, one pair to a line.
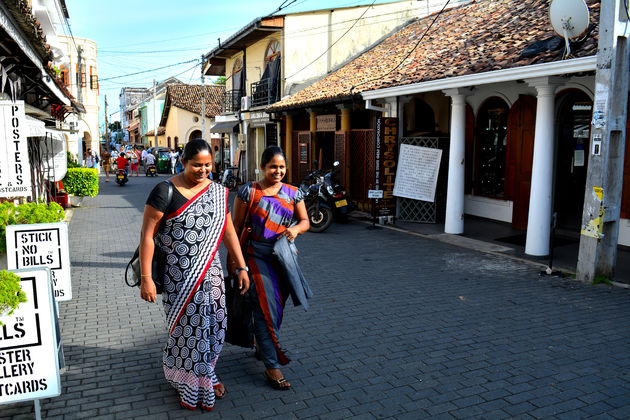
275,169
198,168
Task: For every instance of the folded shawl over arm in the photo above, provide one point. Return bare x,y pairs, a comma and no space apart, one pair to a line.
286,251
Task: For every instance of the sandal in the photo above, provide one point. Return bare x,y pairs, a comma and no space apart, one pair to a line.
278,384
216,388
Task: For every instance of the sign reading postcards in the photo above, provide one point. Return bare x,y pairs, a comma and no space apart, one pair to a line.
29,367
15,170
42,245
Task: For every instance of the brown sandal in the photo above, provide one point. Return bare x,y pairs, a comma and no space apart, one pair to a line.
279,384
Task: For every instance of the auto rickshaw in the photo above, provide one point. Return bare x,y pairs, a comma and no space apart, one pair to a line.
162,157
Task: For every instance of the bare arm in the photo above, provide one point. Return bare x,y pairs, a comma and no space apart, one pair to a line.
150,224
302,225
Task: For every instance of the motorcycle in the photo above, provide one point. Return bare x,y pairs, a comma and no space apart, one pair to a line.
325,198
150,170
121,177
229,179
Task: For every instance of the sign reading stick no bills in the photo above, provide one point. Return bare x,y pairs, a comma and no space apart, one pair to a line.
42,245
29,367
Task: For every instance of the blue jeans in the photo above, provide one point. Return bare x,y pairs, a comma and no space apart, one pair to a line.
264,342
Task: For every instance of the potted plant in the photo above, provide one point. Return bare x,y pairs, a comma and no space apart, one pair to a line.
81,182
11,294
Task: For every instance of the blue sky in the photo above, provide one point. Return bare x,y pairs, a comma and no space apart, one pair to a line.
138,35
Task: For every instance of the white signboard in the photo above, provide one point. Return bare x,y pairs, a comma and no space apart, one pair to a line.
29,367
375,193
56,144
417,173
15,170
42,245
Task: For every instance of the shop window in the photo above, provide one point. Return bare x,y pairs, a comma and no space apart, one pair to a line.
168,141
65,75
81,79
491,146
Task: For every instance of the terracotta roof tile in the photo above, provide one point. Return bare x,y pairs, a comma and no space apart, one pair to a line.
478,37
188,97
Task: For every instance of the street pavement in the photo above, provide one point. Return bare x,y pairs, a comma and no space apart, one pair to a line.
399,327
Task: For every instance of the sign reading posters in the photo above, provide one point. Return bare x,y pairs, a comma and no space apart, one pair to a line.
15,170
418,169
386,153
42,245
29,368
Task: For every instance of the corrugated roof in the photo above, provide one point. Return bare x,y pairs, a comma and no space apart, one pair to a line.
478,37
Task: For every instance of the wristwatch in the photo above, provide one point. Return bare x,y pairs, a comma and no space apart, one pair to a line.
238,270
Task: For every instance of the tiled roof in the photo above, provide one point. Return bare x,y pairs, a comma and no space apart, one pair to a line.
478,37
161,131
188,97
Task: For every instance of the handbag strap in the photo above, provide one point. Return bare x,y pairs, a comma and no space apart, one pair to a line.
250,202
169,199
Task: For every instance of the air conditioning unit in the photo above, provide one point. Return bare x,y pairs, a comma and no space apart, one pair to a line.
246,103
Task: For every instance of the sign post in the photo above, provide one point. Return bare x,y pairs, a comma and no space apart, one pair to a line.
42,245
29,368
374,195
15,171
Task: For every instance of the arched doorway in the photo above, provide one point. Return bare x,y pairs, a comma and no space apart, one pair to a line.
572,146
196,134
491,148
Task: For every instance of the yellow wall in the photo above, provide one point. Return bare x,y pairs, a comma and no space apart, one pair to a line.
255,62
180,123
311,34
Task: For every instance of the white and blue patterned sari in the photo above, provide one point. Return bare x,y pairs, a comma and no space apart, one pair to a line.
194,295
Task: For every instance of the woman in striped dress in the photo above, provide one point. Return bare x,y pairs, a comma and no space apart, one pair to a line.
196,221
276,210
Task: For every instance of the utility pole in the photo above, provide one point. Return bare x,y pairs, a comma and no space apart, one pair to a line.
602,201
203,103
155,123
106,126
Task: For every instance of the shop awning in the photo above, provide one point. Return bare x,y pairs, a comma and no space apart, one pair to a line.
224,127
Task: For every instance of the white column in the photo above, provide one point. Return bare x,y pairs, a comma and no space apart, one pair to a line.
454,222
540,199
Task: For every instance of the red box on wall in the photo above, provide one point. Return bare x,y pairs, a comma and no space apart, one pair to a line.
61,198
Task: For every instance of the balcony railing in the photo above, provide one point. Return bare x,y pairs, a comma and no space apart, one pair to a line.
232,102
263,93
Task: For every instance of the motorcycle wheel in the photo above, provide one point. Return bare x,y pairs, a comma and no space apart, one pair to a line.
230,183
320,219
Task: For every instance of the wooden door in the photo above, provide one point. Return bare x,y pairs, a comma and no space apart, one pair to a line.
520,153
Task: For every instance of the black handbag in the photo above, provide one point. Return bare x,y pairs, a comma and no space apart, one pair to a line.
132,277
239,315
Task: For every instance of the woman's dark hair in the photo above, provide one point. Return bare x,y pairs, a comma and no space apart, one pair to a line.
195,146
269,154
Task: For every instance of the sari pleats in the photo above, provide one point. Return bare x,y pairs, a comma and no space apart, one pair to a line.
194,295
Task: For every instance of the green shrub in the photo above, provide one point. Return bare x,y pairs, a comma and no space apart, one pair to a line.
72,160
26,214
81,182
11,295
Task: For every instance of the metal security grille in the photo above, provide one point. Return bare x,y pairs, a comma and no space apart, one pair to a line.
410,210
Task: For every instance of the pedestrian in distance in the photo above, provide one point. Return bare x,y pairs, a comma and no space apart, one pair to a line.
217,162
134,160
91,159
173,156
277,211
194,291
106,163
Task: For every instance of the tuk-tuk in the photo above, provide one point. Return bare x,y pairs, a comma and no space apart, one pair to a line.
162,156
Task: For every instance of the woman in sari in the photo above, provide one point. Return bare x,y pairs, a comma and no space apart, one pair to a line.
189,230
277,210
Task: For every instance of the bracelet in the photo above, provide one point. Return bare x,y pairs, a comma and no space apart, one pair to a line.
146,275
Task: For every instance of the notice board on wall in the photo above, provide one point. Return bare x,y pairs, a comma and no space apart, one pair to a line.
417,174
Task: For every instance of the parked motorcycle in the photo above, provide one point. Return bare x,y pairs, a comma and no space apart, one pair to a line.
121,177
229,178
150,170
325,198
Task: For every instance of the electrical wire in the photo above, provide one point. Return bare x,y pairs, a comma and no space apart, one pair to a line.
334,43
150,70
409,53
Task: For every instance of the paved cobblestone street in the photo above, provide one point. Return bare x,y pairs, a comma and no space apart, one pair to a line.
399,327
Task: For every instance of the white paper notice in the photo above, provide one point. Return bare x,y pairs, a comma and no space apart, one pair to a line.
417,173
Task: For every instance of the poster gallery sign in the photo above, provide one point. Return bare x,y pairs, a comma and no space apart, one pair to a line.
29,366
386,152
42,245
15,171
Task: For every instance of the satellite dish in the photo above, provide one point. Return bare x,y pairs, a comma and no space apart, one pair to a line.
569,18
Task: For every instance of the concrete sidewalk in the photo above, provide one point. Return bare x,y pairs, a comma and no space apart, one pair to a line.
401,326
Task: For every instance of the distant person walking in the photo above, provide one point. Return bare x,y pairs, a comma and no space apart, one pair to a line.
194,291
277,214
217,162
106,163
173,156
91,159
134,158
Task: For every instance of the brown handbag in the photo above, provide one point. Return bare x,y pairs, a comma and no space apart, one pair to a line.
247,228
